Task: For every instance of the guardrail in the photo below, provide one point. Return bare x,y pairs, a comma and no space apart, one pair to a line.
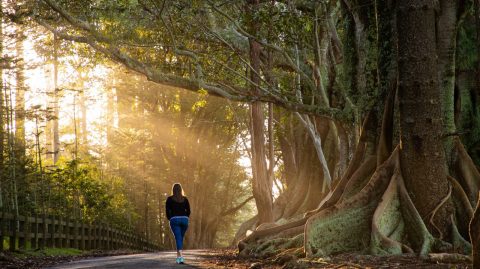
40,232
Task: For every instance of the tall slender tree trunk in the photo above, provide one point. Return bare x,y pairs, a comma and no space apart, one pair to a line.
2,137
83,110
20,93
56,108
18,176
50,90
422,156
262,184
271,149
110,115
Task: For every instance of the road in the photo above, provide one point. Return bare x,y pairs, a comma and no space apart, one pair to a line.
163,260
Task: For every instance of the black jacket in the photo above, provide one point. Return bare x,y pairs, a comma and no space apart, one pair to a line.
174,208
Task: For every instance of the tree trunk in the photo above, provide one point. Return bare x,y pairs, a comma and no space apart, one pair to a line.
387,72
475,236
271,148
287,149
19,151
360,72
50,90
83,109
299,143
422,156
262,184
110,115
2,138
20,94
477,24
56,109
446,47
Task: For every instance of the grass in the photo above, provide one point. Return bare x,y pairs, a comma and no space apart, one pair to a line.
25,253
48,252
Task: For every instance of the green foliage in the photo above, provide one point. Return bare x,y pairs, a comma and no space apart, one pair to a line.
73,189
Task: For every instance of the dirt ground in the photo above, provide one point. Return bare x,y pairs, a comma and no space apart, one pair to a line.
228,259
10,261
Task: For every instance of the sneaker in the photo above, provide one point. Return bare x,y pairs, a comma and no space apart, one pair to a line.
178,260
182,260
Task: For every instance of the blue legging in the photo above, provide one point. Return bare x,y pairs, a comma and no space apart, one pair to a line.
179,226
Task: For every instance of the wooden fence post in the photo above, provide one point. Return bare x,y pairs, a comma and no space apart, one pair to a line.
103,232
59,232
3,228
51,231
14,233
75,233
89,236
109,237
21,232
96,235
34,242
43,242
82,235
67,232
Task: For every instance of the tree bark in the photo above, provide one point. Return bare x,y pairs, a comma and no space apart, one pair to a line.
475,236
477,23
2,137
262,184
360,71
111,115
83,110
287,148
20,93
271,148
446,47
56,109
387,72
422,156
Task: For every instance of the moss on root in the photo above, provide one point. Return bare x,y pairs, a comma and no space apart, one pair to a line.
346,226
380,219
273,246
387,224
335,233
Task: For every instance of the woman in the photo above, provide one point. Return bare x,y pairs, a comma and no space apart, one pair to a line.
178,211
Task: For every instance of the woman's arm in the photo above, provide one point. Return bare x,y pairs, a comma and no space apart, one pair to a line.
187,207
168,208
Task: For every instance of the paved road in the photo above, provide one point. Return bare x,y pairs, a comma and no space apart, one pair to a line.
163,260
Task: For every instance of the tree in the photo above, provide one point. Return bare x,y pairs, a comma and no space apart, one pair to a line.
474,234
421,156
184,138
207,46
2,137
56,137
262,183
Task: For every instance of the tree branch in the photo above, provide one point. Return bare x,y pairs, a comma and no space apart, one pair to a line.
236,208
95,39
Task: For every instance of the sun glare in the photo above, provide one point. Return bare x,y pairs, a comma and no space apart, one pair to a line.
39,98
